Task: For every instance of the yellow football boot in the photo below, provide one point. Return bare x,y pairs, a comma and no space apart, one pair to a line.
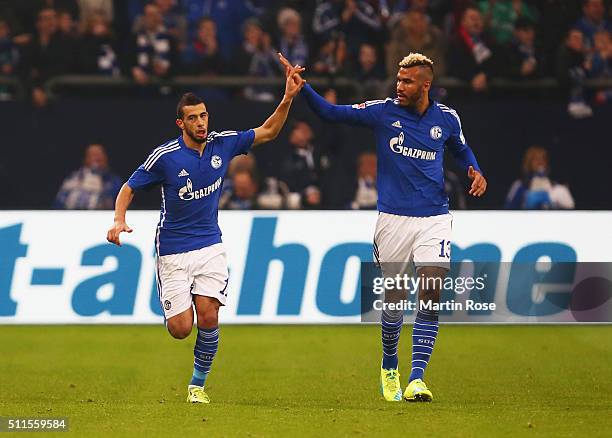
417,392
390,385
196,394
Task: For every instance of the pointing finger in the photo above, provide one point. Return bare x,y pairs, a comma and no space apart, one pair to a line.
284,60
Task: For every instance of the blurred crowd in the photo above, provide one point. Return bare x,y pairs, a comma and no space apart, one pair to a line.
472,40
309,178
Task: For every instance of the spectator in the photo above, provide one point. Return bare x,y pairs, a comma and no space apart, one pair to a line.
229,15
326,22
338,159
239,163
242,162
203,56
366,194
471,52
257,58
555,17
69,6
8,51
331,95
359,20
414,33
399,8
88,8
523,59
243,193
27,11
592,21
369,67
267,12
362,23
421,6
501,15
67,25
98,53
601,64
153,50
174,21
47,55
369,72
572,69
92,187
602,54
331,57
535,191
9,56
301,170
292,43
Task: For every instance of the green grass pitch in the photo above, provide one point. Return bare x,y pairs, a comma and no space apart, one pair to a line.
310,381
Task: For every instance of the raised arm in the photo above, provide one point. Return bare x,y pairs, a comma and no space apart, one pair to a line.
124,199
366,113
270,129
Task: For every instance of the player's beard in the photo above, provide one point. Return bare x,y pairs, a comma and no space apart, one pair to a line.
414,100
195,138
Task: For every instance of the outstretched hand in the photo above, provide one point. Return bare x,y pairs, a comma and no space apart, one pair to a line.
285,63
479,183
294,81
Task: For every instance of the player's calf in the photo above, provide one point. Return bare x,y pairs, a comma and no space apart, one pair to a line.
424,331
205,349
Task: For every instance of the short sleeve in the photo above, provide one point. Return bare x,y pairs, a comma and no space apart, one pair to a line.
149,174
143,179
243,142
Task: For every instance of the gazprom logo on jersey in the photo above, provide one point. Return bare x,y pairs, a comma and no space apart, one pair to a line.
300,267
397,145
186,193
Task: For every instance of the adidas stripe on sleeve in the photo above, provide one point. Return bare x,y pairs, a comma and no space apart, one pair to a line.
150,173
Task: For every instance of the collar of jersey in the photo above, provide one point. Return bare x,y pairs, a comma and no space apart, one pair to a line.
432,103
182,144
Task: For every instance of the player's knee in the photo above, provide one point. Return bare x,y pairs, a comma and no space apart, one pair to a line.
180,329
208,318
429,294
179,332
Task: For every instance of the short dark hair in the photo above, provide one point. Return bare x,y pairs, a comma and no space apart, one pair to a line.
523,23
188,99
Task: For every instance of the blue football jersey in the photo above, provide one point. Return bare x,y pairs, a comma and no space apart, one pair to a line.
410,149
190,188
